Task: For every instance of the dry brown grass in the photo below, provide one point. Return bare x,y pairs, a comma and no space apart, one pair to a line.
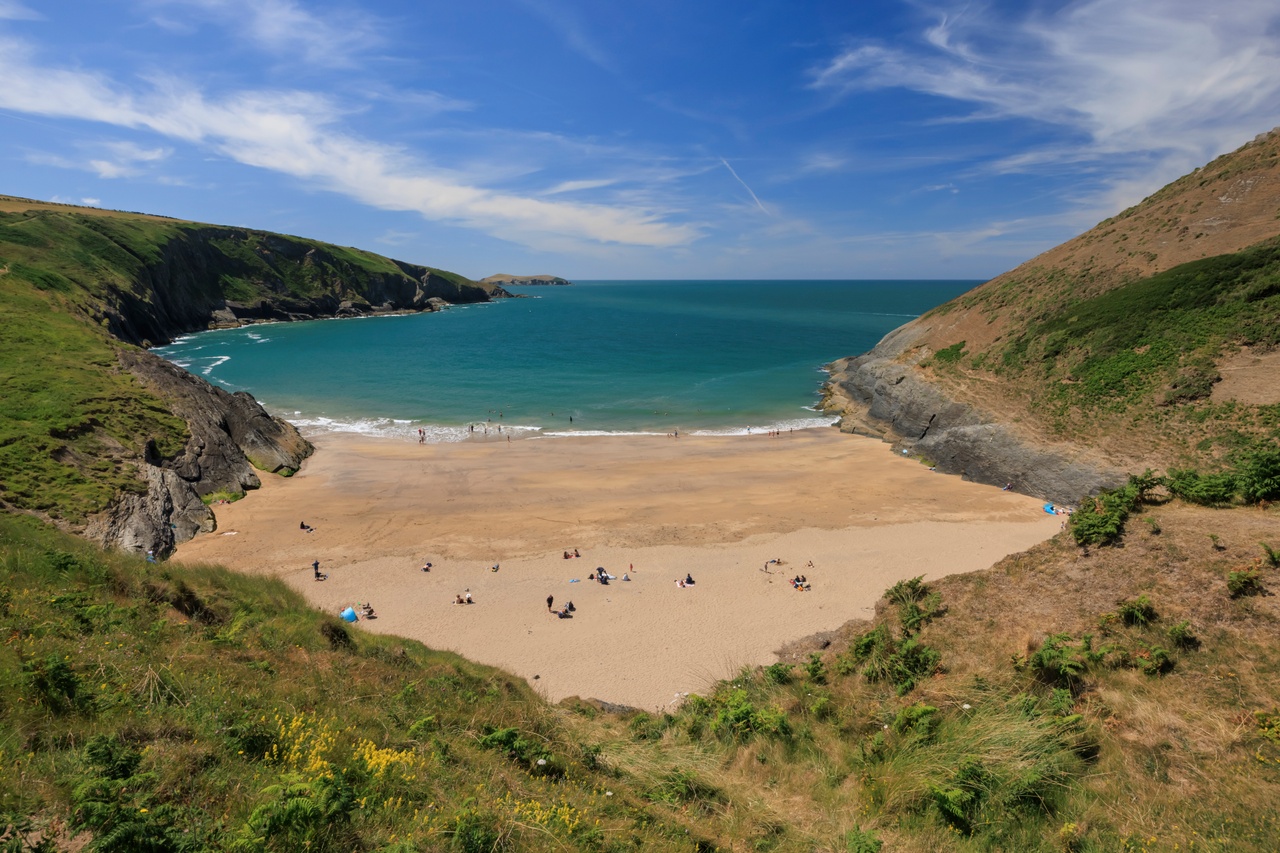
15,204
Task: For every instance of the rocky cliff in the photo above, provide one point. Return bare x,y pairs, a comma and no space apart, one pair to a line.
121,446
1011,382
208,277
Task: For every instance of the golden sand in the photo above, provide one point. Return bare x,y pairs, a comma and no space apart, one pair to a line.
656,508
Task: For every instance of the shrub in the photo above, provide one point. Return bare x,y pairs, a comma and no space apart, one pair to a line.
903,592
1138,612
1100,520
859,840
778,673
1203,489
1244,582
914,615
54,684
919,719
1182,637
1146,483
951,354
1153,660
1258,476
1056,664
1272,555
815,669
911,662
961,797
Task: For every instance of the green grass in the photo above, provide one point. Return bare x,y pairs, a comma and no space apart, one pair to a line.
198,709
1134,339
73,425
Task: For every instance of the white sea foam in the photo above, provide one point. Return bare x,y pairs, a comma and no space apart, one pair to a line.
215,362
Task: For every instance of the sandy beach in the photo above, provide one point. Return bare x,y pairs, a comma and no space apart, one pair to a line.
657,508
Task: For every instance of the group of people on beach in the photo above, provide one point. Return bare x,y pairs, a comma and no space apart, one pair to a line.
688,581
565,612
569,556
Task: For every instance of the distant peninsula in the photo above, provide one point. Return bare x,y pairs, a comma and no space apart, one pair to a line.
523,280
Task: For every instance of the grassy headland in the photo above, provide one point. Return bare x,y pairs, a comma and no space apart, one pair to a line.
77,285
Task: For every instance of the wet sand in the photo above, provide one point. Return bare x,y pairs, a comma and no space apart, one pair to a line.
656,508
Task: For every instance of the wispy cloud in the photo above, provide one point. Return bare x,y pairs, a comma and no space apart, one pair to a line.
124,159
286,29
578,186
300,134
573,31
1124,77
12,10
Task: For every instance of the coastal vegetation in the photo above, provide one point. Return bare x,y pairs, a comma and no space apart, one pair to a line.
1116,688
79,285
161,707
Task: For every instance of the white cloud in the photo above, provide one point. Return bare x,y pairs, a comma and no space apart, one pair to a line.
125,158
298,134
12,10
1178,78
288,30
578,186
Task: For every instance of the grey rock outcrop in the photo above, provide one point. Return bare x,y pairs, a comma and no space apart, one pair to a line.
231,438
881,394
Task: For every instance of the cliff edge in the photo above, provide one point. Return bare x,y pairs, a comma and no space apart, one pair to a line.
113,443
1100,356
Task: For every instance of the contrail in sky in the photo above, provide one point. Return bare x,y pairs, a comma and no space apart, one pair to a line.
744,185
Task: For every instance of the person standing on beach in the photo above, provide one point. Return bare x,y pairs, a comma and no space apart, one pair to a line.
551,599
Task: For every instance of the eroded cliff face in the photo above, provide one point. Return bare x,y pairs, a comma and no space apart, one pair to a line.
231,438
184,289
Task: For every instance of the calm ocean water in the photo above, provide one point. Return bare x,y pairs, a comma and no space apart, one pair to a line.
616,356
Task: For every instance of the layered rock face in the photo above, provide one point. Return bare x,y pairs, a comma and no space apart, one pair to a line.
231,438
881,396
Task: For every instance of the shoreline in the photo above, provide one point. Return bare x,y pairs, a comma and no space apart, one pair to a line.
658,508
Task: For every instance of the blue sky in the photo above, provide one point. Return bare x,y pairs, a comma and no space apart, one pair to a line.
659,139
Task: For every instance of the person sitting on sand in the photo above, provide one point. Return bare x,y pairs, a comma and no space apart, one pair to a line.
688,580
626,577
457,599
366,611
563,613
679,583
468,598
566,555
306,527
494,567
575,553
426,567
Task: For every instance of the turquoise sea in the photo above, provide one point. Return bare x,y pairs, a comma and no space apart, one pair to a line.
615,356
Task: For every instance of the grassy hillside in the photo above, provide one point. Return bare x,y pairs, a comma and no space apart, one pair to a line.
1118,340
76,284
1116,699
